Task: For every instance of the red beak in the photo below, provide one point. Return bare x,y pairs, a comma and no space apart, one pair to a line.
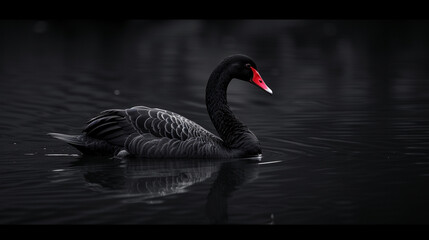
257,79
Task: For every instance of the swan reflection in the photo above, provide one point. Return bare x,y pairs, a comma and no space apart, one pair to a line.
149,180
230,177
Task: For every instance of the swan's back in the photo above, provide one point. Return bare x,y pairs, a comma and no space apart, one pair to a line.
146,132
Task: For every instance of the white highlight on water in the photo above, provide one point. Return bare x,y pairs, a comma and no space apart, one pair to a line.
62,155
263,163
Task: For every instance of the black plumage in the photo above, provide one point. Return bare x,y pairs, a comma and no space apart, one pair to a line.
156,133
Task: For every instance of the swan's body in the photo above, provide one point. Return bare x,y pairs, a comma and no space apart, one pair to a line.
156,133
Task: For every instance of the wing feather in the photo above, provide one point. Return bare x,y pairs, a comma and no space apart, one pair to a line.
111,126
151,132
163,123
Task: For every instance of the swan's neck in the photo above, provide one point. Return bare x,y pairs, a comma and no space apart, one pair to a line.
234,133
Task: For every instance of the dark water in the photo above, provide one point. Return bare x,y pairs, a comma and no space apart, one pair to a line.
345,136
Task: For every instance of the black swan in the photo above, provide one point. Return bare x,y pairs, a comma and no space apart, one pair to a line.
156,133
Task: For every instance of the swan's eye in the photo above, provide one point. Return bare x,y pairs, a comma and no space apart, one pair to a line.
248,65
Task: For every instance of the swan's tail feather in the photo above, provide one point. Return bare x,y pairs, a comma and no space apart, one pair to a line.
86,144
70,139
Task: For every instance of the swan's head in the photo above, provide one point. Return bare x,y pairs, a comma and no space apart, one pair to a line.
244,68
